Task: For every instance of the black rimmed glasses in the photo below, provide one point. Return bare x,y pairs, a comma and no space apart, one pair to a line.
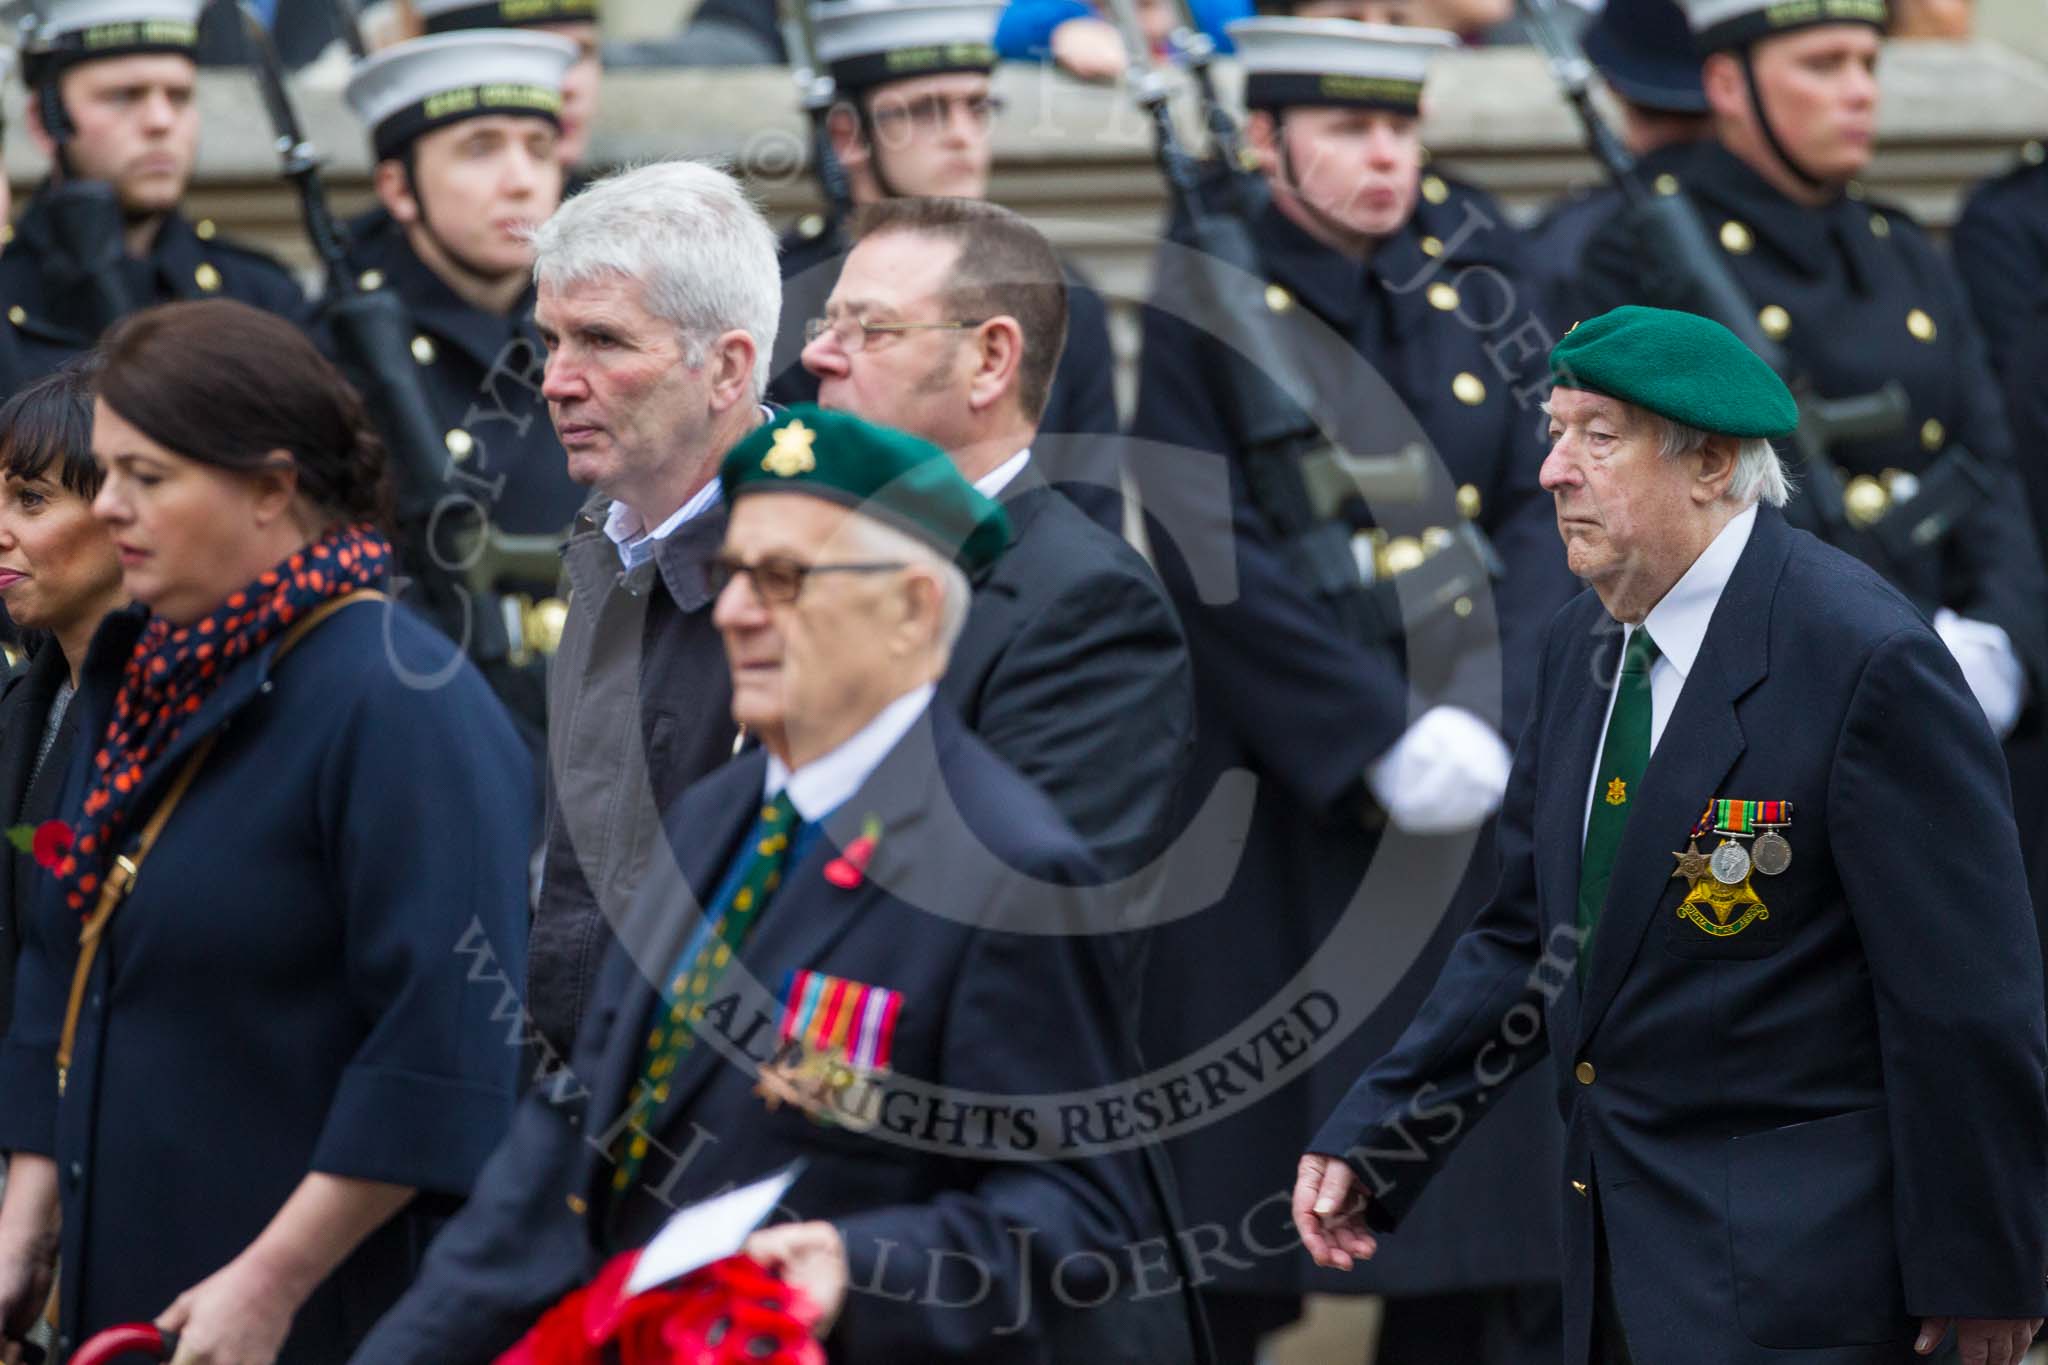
851,334
779,579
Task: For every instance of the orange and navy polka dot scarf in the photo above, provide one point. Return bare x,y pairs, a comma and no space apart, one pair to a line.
174,669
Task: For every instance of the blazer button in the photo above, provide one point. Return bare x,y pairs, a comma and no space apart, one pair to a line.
578,1206
77,1174
1584,1071
1580,1186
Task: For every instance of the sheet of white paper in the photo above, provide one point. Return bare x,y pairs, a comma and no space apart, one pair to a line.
696,1236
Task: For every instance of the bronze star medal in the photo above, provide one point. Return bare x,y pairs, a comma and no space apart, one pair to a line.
791,454
1692,864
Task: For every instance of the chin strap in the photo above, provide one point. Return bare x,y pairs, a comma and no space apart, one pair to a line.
867,132
57,123
1763,121
1340,231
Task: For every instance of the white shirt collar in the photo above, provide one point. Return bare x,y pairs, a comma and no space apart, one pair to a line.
1678,623
636,543
992,484
826,783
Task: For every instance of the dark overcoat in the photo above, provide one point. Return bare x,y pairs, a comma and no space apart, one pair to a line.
1765,1118
288,987
1287,698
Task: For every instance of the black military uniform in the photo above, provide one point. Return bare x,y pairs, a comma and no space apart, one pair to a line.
865,49
62,287
2000,248
1286,694
483,375
1857,294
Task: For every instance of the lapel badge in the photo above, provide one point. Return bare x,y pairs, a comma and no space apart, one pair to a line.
1722,900
791,454
836,1038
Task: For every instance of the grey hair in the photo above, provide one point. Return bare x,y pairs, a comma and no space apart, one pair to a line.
880,540
1759,475
697,243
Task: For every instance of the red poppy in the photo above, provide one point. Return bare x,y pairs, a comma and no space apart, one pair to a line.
53,840
850,868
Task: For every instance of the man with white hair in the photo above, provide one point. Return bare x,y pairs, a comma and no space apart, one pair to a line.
842,973
1803,1090
658,294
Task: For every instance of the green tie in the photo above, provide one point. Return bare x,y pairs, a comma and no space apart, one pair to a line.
1623,757
760,871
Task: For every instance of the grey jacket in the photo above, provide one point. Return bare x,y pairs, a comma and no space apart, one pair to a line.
639,707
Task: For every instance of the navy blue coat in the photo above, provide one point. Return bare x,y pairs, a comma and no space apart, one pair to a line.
1285,696
987,1013
1806,1135
287,988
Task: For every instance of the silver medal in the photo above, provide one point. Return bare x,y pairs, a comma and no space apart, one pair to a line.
1772,853
1730,863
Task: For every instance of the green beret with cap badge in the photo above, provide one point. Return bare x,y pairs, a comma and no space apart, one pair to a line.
1679,365
894,477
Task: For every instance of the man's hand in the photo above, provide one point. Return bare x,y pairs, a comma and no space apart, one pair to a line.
1980,1341
1329,1213
1089,49
811,1257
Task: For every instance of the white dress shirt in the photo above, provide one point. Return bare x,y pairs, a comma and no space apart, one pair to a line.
1678,623
826,783
992,484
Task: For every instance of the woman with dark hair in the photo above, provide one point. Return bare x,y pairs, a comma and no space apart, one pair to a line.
252,1085
59,579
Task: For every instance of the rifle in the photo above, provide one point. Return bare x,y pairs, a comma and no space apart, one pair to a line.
442,533
86,214
1312,492
818,91
1691,273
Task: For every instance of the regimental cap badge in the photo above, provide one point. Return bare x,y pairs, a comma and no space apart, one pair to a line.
791,454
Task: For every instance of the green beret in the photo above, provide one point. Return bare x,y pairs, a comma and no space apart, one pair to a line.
893,477
1678,365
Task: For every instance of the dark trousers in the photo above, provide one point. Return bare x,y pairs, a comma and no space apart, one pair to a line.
1610,1343
1514,1325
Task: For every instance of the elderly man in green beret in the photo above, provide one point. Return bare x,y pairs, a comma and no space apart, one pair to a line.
1761,895
847,969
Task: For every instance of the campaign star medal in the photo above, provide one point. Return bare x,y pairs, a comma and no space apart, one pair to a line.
791,455
1724,904
1692,864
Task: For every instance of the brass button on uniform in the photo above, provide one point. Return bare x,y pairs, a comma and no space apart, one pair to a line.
1278,300
1774,320
370,279
1666,184
1468,389
578,1206
206,277
205,229
1584,1071
1880,226
1735,238
1920,325
1443,297
1468,501
1432,246
1865,501
1402,554
423,349
1434,189
1462,608
1932,434
810,226
1579,1185
17,315
460,443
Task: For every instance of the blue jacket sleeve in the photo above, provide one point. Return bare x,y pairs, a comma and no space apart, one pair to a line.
430,809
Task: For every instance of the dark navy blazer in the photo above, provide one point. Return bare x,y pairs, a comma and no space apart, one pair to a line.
1806,1135
987,1013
